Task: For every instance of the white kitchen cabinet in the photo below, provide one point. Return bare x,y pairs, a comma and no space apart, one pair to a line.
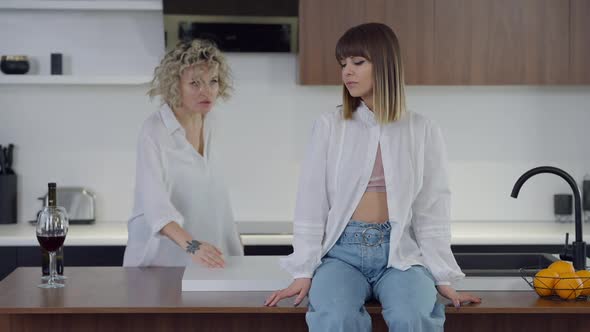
73,80
103,42
80,5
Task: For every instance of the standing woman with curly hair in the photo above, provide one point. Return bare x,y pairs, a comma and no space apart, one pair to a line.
182,211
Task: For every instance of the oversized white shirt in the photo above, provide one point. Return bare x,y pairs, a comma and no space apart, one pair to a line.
175,183
334,176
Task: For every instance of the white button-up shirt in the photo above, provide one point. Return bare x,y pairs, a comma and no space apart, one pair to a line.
334,177
176,183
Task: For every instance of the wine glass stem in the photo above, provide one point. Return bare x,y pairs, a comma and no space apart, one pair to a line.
52,269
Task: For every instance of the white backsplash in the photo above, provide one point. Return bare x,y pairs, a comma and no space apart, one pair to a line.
86,135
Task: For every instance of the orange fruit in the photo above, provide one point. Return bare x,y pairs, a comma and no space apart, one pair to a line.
568,286
585,278
562,267
544,281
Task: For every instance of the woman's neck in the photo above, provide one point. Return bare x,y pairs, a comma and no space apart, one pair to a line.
369,102
191,122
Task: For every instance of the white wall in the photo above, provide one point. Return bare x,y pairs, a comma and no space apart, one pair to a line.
85,135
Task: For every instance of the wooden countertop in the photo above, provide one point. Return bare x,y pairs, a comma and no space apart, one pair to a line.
104,290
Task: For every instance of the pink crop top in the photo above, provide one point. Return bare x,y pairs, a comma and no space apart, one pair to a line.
377,181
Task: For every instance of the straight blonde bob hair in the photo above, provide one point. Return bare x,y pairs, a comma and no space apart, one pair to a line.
166,79
379,45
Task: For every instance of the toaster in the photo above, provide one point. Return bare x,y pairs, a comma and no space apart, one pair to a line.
78,202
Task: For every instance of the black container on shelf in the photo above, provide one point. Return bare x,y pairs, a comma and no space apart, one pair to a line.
8,199
563,207
56,64
14,64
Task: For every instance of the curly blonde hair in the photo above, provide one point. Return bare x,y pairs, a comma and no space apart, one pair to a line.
186,54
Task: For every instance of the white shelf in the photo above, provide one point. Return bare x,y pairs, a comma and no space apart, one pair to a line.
73,80
81,5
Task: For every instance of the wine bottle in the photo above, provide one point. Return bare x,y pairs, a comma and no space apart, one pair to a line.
44,262
60,261
59,255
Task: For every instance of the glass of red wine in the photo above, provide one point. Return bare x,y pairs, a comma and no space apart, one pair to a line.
52,228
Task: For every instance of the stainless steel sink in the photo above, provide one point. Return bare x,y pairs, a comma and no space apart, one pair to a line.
502,264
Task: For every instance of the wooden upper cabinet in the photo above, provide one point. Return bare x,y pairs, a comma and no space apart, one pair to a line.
458,42
322,22
502,41
580,50
413,23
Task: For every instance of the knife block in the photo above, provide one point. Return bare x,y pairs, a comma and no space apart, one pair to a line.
7,198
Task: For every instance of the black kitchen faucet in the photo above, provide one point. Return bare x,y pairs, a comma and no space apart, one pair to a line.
578,255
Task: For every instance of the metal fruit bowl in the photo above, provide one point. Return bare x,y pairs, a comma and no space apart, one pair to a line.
579,293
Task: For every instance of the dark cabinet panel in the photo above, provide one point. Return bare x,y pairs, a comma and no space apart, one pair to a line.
254,8
7,261
13,257
28,256
94,256
267,250
76,256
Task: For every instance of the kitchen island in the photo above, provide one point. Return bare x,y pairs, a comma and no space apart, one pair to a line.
150,299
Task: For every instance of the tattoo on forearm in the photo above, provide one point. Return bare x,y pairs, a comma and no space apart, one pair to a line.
192,246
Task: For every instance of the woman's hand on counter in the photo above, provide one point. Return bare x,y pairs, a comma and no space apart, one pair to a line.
299,287
202,253
456,297
208,255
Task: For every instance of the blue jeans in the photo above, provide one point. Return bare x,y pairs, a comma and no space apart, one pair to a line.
354,271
